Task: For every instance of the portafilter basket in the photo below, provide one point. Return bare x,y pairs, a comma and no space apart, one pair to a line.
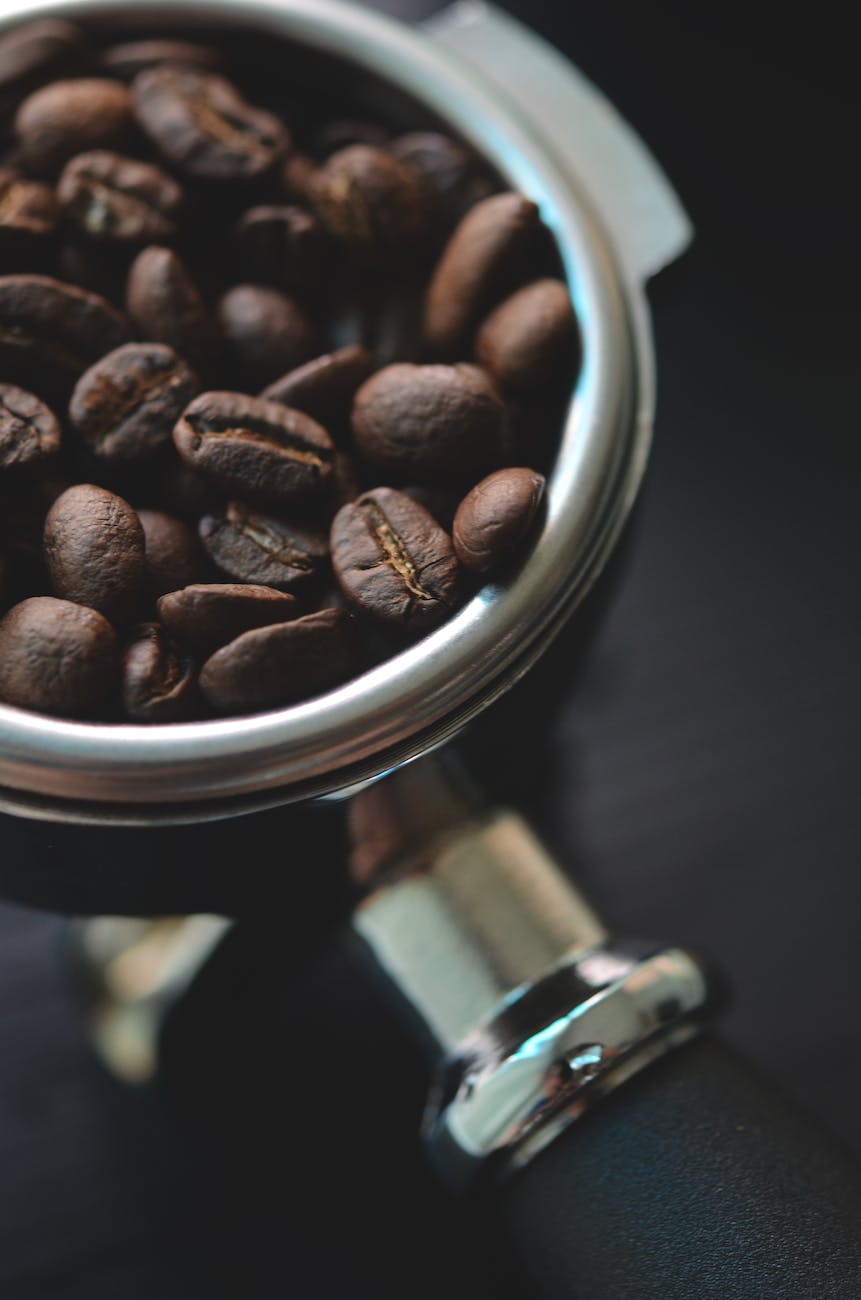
615,221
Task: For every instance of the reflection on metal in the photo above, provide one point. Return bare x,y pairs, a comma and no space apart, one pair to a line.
135,970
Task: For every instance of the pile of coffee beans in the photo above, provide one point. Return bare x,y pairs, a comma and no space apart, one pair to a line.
274,399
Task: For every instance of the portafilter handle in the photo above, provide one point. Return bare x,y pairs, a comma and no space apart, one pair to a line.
629,1156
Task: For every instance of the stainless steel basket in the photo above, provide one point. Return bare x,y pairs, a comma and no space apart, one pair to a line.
616,221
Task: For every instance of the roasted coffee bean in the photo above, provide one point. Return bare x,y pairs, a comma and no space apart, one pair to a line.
281,245
393,561
29,212
125,61
118,199
298,178
173,554
261,449
471,274
344,132
158,680
530,337
29,430
265,331
247,546
494,518
278,665
95,550
202,125
207,615
324,388
54,331
452,178
371,203
436,423
68,117
125,406
35,53
57,657
166,306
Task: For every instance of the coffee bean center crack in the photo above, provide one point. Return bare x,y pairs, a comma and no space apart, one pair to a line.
396,551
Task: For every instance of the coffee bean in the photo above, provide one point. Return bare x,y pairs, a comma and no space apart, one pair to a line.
166,306
29,212
95,551
298,178
125,406
437,423
111,197
266,332
452,178
277,665
471,273
393,561
158,680
281,245
35,53
261,449
494,518
530,337
126,60
29,430
344,132
201,124
68,117
370,202
53,331
207,615
324,388
173,554
56,657
251,547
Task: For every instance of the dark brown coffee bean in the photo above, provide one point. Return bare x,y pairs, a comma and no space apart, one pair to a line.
207,615
158,680
371,202
470,276
430,422
29,211
344,132
29,430
298,178
453,181
173,554
494,518
54,331
94,549
166,306
251,547
57,657
68,117
278,665
530,337
324,388
35,53
261,449
266,332
118,199
393,561
281,245
202,125
125,61
125,406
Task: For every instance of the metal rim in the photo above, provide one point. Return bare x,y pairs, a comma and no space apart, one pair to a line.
428,692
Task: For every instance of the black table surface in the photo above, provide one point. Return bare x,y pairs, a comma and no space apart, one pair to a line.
701,779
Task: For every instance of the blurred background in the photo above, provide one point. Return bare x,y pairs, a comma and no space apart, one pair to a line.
701,780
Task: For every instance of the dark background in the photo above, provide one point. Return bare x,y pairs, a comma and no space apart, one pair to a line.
701,780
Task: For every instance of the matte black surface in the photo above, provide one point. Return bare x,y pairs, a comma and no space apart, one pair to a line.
694,1180
701,781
